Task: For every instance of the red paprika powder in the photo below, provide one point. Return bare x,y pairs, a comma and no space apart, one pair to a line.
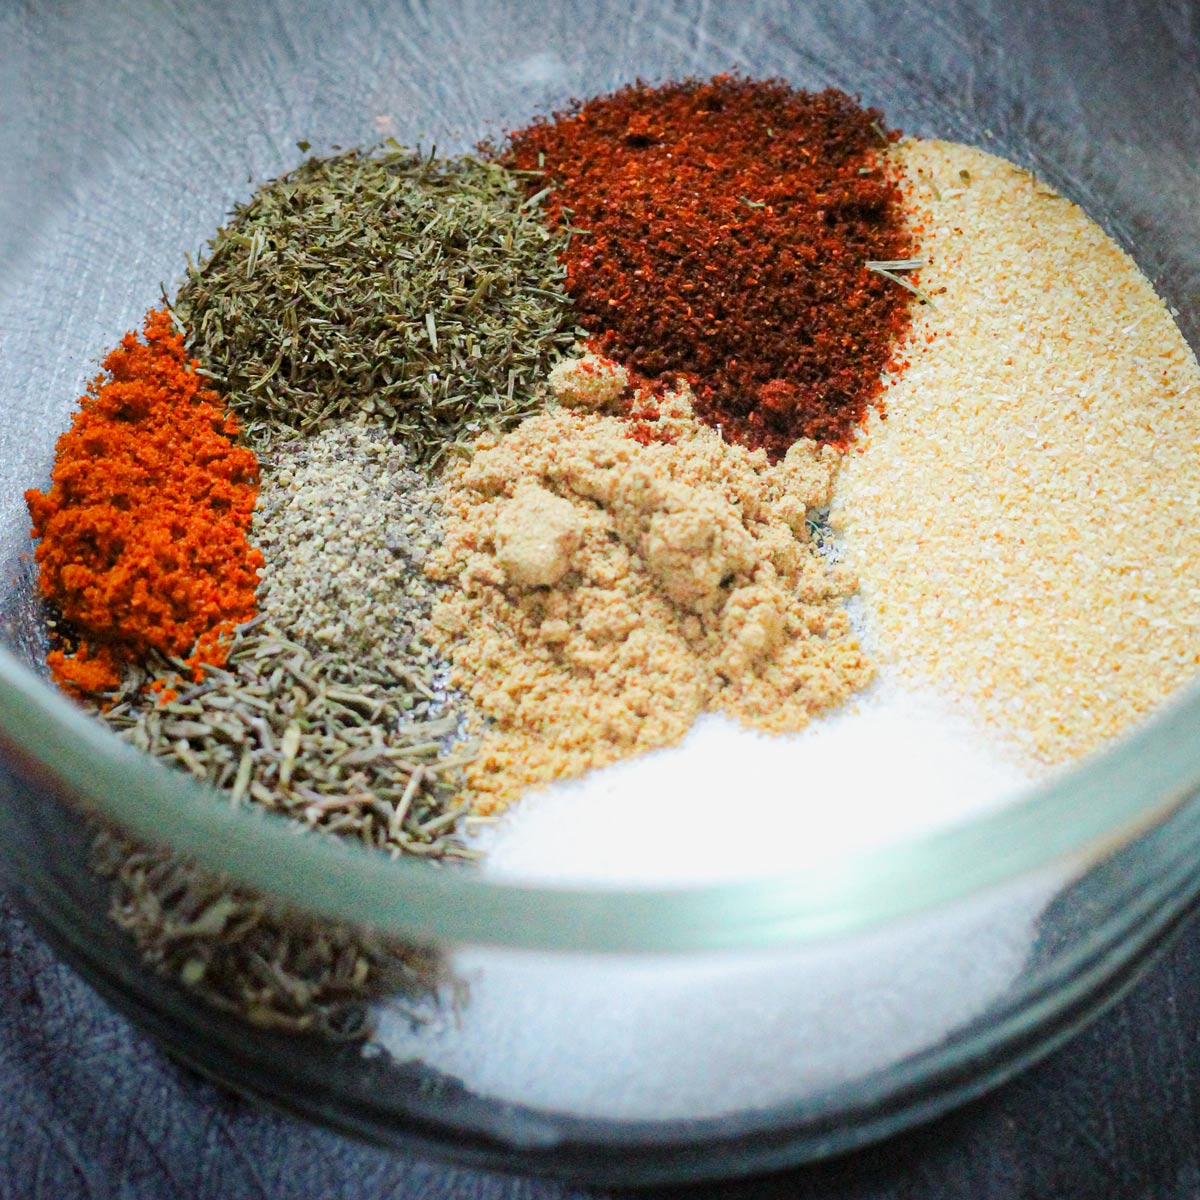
144,529
723,230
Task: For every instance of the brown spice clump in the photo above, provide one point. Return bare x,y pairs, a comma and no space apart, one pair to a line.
610,591
588,381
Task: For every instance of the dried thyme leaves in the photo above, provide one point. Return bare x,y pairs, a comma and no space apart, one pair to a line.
278,970
425,293
341,749
344,748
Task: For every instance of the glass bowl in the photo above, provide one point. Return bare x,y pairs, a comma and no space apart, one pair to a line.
835,1006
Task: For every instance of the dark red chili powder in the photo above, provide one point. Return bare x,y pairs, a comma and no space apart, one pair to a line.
727,223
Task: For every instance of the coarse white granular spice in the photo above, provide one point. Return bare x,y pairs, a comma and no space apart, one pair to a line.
1024,521
696,1035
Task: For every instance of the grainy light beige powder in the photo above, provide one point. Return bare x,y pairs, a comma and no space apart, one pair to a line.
1024,523
609,590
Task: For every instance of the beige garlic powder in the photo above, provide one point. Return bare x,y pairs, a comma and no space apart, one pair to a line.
1025,523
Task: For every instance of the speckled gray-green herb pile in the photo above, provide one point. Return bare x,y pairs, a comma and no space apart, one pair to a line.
423,292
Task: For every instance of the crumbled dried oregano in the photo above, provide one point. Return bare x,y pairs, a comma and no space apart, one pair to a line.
425,292
345,525
277,969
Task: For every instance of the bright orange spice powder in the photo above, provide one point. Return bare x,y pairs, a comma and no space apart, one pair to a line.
143,531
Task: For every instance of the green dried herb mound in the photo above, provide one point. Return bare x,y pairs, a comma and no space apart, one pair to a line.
424,292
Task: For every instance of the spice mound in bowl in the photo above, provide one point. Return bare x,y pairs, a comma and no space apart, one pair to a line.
708,461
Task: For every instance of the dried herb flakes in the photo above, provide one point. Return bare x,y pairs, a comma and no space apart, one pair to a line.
425,293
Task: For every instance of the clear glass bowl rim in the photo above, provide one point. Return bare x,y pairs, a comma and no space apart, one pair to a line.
1080,815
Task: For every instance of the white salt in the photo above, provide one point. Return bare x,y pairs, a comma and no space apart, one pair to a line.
657,1037
730,803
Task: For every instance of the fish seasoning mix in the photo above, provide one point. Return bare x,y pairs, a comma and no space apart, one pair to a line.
439,481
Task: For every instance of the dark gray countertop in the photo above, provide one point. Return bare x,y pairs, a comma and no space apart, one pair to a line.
89,1108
